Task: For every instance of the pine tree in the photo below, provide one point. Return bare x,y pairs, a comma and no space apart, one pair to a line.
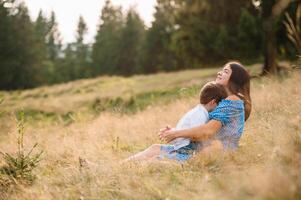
69,64
106,49
8,65
53,40
41,34
75,64
50,48
82,50
131,38
157,53
18,61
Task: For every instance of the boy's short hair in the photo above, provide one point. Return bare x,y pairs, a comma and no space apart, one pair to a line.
212,91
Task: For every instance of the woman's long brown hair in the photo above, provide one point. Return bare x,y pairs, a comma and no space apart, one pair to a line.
239,84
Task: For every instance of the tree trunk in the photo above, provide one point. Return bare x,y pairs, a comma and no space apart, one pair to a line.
269,26
270,48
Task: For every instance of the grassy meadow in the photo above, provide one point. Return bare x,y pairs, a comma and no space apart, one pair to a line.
107,119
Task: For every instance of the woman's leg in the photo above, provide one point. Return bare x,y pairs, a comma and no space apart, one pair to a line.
215,147
148,154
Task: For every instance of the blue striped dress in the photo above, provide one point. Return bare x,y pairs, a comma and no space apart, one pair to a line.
231,114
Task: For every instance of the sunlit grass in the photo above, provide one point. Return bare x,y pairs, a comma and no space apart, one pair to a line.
266,166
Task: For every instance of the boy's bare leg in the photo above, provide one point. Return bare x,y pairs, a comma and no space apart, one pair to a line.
148,154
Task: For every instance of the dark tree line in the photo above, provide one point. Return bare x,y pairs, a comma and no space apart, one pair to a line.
184,34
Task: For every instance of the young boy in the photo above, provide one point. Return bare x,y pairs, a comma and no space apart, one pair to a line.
210,95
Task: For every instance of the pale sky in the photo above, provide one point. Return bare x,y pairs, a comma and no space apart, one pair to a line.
68,12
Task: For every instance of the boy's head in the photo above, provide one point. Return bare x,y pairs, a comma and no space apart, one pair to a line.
211,94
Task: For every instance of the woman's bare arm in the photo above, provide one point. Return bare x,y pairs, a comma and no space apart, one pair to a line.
197,134
200,133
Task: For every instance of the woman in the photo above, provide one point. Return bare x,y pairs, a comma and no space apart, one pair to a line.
226,124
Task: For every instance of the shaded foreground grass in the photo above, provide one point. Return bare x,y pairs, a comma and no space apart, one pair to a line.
266,166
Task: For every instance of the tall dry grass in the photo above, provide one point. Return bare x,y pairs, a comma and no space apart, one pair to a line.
266,165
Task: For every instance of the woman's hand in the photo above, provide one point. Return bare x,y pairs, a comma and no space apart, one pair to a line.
167,134
167,128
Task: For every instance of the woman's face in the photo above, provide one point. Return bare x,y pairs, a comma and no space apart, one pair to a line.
224,75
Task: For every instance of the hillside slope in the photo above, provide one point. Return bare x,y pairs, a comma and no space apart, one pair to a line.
266,165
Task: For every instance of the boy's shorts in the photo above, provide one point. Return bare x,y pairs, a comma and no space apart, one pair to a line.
168,152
